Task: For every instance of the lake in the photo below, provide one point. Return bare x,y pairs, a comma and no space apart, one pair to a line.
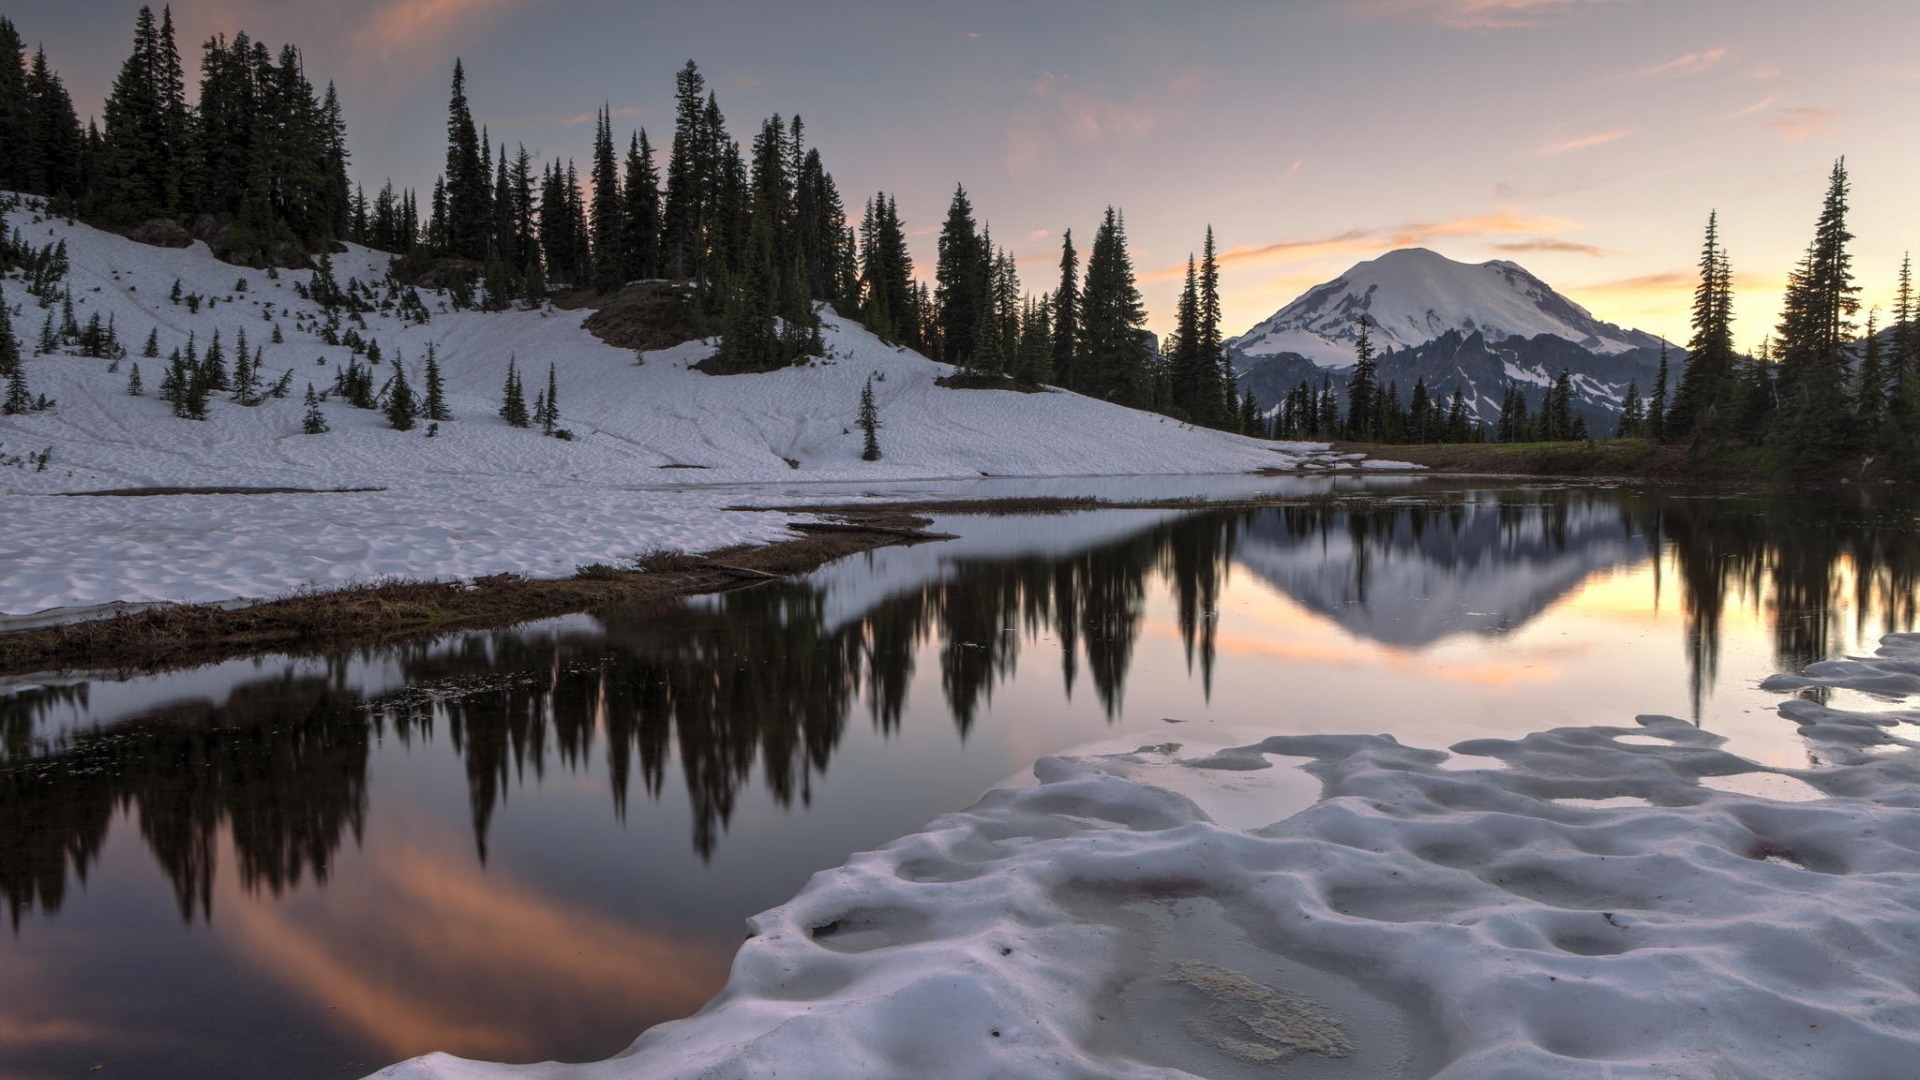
534,843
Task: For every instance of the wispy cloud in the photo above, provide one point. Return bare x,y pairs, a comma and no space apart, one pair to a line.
1584,142
1754,109
1373,239
624,111
1669,280
1058,114
1801,124
1692,63
402,27
1475,14
1549,243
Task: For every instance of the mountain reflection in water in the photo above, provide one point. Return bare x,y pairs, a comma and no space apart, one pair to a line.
761,680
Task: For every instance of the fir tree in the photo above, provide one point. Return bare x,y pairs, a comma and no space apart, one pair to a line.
1657,407
1870,391
1815,327
134,389
1111,359
641,242
609,209
869,423
1363,414
1066,315
151,349
1706,387
18,399
315,421
1903,401
468,190
401,409
513,405
435,407
1633,414
549,415
960,278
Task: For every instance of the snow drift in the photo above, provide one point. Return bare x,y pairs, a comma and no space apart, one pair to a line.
1580,903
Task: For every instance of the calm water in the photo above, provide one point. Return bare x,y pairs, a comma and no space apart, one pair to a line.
533,844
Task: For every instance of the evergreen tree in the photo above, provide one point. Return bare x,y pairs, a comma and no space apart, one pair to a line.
1706,387
513,403
134,389
468,187
609,209
1633,414
1902,432
686,218
869,423
1066,315
889,303
1815,328
152,348
315,421
435,406
1657,407
641,242
401,408
960,278
18,399
1111,358
549,416
1870,383
1364,422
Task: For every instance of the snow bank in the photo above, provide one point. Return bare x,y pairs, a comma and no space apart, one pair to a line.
1575,904
479,496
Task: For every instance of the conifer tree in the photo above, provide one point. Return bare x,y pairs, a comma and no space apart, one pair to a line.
1815,328
18,399
315,421
1111,359
609,209
468,194
869,423
134,389
1363,417
1870,387
152,348
550,402
1903,400
1705,394
1657,407
1066,315
513,404
9,345
1633,413
435,406
960,281
686,218
1210,353
401,408
641,243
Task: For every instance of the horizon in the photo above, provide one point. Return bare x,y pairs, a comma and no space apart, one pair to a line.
1598,181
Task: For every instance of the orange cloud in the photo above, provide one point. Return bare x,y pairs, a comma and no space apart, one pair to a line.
1799,125
400,27
1381,238
1550,243
1058,114
1754,109
1584,142
1475,14
1691,64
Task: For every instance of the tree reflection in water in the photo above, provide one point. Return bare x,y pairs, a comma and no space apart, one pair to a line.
758,679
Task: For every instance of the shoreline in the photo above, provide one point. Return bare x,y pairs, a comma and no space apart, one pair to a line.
173,636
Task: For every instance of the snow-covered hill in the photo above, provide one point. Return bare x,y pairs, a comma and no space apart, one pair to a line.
1412,296
478,496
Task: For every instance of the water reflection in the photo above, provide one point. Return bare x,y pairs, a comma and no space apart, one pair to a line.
767,680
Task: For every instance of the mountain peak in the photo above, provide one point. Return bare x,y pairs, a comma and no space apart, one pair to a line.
1410,296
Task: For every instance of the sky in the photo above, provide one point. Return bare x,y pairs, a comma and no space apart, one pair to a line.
1586,140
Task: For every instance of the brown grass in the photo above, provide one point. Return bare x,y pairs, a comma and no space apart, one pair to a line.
390,611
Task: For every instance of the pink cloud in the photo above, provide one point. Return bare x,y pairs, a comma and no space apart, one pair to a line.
1801,124
1585,142
1691,64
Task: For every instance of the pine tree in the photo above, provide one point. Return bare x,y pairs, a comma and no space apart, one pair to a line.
1657,407
1870,389
1705,393
1066,315
1113,349
960,281
513,405
641,243
1903,404
435,407
549,415
151,349
609,209
315,421
1363,418
134,389
686,218
18,398
401,409
468,188
1633,414
869,423
1815,327
9,346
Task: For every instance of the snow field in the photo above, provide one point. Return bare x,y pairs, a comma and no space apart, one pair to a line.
1585,906
479,496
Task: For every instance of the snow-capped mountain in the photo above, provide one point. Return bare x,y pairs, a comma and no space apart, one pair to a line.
1455,325
1413,296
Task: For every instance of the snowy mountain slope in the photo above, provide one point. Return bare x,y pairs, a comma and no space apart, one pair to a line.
1412,296
479,496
